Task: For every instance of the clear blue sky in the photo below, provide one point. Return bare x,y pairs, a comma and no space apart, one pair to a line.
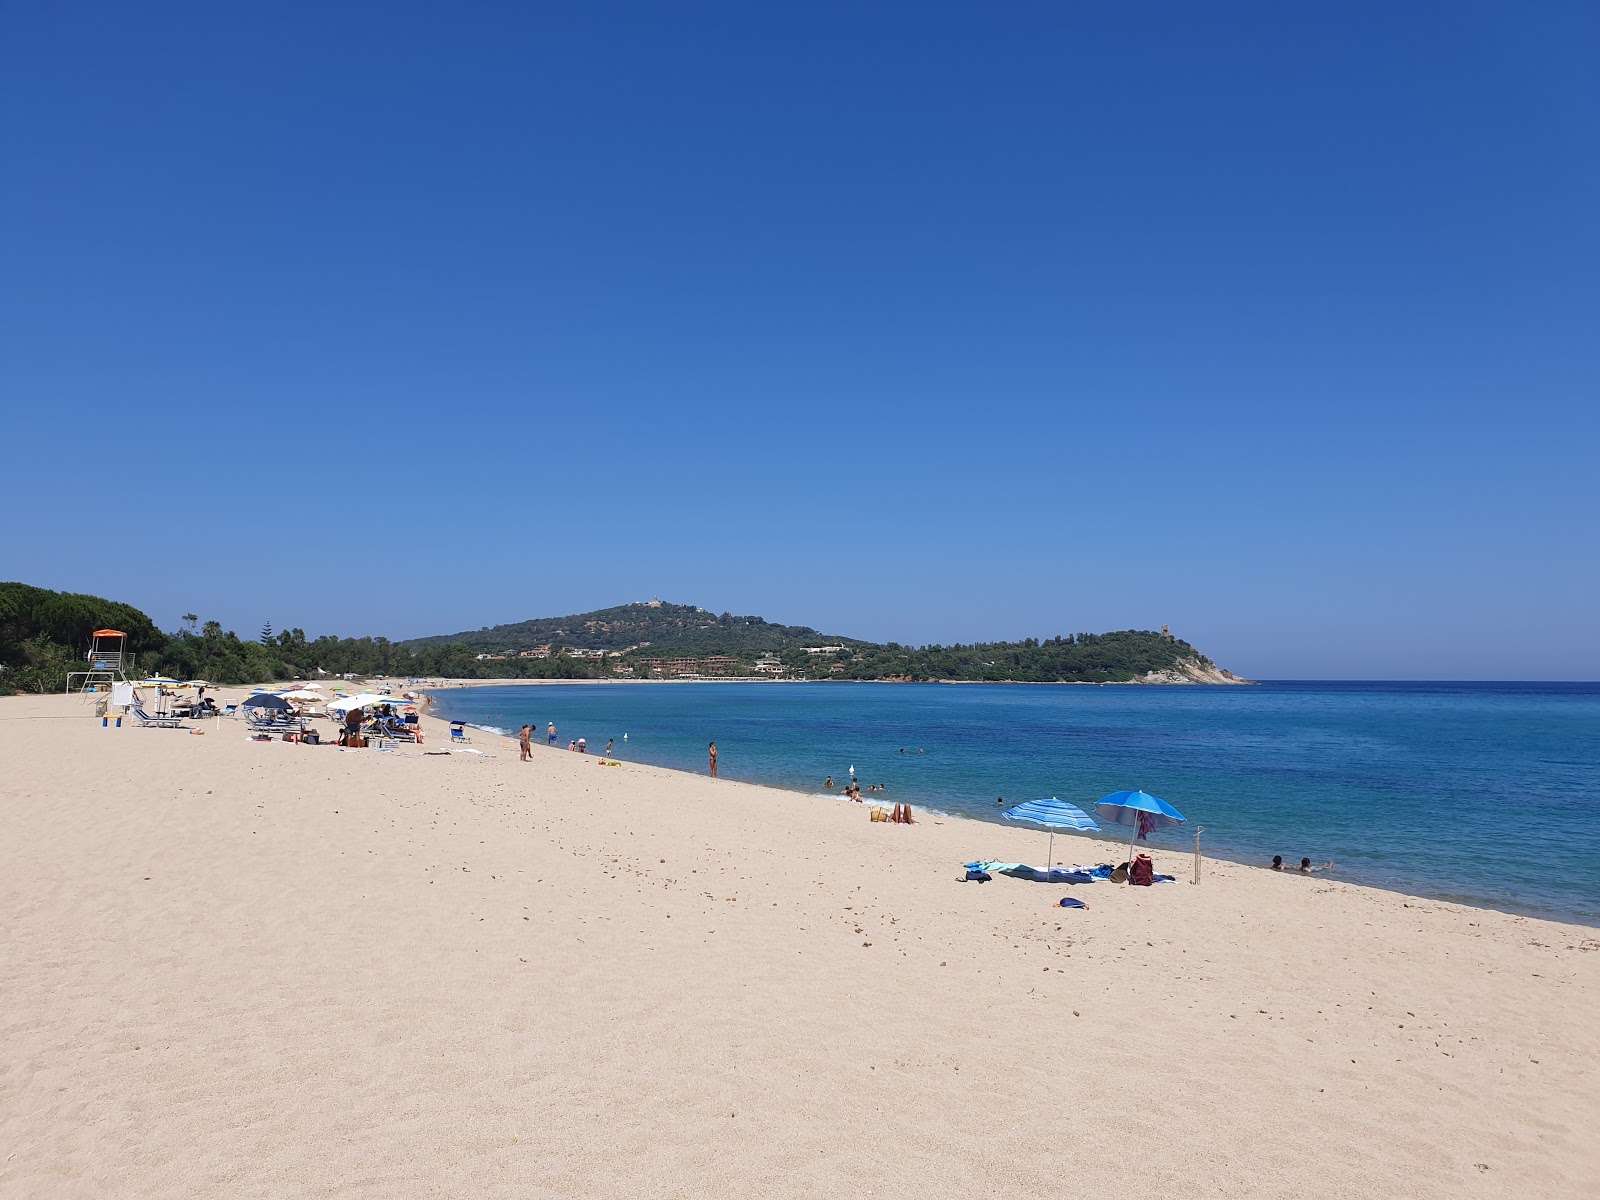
1278,323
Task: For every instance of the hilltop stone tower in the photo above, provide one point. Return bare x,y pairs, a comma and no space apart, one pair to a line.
1166,633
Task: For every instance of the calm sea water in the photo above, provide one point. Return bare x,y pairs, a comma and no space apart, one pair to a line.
1484,793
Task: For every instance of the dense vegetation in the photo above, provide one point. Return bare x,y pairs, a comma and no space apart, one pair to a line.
1075,658
669,630
45,634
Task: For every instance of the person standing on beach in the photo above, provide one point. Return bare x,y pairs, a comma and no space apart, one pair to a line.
525,740
713,760
552,733
609,743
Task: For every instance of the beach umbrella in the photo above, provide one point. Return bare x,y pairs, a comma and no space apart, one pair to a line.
1144,812
265,700
1053,814
364,700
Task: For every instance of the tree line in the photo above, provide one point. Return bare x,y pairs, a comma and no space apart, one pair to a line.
45,634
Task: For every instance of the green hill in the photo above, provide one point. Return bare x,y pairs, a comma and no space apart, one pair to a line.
644,640
44,634
671,630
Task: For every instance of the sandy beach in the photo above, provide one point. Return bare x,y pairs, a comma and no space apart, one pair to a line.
261,970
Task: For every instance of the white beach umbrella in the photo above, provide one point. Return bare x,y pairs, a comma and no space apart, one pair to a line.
364,700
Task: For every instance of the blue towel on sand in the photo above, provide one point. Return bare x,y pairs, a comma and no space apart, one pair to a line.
1023,871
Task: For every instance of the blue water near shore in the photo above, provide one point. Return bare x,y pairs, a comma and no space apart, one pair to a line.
1483,793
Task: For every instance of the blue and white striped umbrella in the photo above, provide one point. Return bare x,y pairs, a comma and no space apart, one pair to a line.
1053,814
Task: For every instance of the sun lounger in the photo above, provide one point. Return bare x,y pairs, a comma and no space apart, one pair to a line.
457,733
146,721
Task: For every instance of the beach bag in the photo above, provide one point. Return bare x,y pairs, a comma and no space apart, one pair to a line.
1143,871
976,876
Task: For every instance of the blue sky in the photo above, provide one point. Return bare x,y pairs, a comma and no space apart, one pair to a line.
1276,323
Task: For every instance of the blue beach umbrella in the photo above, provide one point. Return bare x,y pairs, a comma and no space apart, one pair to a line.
1053,814
1146,813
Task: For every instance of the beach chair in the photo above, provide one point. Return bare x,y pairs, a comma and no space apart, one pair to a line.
458,734
146,721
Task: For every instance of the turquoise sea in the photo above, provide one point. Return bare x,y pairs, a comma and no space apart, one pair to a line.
1483,793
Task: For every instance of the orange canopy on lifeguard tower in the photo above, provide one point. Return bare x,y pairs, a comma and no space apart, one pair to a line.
108,633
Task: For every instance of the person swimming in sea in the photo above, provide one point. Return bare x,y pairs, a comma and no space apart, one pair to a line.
1305,867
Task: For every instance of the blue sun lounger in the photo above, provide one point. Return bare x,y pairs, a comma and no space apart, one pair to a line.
146,721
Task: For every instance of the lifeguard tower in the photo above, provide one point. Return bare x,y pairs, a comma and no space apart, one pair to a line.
109,661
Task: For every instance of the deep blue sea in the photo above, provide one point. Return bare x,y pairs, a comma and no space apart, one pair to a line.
1483,793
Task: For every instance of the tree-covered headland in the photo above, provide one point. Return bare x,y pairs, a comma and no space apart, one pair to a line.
45,634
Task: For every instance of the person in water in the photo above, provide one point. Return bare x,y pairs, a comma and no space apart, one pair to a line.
1305,867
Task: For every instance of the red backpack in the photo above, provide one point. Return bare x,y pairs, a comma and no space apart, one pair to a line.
1143,871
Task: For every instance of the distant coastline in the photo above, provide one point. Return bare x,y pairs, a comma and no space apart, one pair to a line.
546,681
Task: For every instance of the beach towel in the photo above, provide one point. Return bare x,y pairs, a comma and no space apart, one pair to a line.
1024,871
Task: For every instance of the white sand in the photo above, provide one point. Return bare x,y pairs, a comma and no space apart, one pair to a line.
234,969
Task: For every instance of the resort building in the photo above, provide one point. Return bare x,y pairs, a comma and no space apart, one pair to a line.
717,664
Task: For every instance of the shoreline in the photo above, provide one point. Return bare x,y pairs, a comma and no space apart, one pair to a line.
268,969
1159,683
1119,844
